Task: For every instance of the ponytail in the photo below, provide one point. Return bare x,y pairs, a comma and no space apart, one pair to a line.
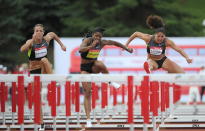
88,34
156,23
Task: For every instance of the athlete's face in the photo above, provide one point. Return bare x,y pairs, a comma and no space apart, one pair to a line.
38,32
97,36
159,37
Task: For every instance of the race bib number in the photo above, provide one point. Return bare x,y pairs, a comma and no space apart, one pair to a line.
40,52
155,50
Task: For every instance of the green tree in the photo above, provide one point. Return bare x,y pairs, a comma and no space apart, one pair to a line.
10,29
18,18
122,17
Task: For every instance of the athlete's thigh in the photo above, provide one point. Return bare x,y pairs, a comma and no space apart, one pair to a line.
153,64
100,67
96,68
46,65
172,67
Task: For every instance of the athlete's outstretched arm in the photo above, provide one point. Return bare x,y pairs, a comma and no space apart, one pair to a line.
52,35
26,46
115,43
145,37
179,50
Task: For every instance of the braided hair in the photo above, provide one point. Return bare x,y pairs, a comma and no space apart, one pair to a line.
98,29
90,33
156,23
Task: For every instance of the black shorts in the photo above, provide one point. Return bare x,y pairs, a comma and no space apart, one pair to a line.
87,67
160,62
36,71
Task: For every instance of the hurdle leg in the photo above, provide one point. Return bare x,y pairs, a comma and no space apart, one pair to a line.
102,114
13,115
145,128
54,123
78,118
109,106
162,118
94,115
124,107
22,127
30,114
166,113
115,110
132,127
4,122
35,127
67,123
106,111
171,97
154,123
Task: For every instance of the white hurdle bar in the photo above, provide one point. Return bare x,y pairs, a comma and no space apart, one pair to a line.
182,79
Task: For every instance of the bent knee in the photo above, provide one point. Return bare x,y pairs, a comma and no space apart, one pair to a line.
44,60
98,63
87,93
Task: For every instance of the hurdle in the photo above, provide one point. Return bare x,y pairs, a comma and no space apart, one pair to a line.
156,85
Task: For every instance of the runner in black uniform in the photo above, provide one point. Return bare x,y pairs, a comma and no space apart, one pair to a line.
157,49
156,46
90,49
36,53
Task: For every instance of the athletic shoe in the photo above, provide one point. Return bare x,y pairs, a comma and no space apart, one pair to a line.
88,123
146,67
42,128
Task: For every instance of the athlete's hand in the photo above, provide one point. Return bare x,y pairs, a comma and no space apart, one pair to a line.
129,50
189,60
95,42
126,47
36,37
63,48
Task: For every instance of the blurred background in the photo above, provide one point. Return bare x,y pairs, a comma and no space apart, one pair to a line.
70,19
